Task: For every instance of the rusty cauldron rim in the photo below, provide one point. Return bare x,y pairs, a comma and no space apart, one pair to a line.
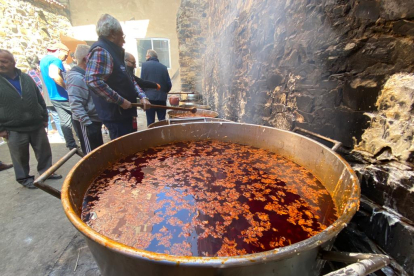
272,255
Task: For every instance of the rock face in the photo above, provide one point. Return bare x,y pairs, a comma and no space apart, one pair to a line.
26,28
315,64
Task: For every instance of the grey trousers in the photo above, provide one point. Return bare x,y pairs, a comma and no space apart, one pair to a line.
65,116
19,142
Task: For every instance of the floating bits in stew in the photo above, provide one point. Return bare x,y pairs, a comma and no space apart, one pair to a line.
207,198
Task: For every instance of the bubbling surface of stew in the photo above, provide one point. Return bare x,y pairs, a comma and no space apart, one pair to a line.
207,198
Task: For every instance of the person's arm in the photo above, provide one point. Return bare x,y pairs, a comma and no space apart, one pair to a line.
78,98
98,69
146,84
168,81
141,95
55,73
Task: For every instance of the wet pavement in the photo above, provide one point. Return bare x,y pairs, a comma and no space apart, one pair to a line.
37,238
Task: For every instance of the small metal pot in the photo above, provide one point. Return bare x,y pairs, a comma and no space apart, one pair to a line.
191,97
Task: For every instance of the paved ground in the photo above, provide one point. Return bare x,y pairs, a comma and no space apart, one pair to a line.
37,238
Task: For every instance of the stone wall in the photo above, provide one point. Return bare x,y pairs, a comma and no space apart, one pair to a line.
192,36
315,64
320,65
27,27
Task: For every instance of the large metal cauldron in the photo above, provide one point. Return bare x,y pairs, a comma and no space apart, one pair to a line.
303,258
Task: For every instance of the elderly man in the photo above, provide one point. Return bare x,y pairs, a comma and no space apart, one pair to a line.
153,70
106,75
131,64
23,117
51,67
85,118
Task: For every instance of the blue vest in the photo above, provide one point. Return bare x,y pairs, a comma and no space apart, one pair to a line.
119,81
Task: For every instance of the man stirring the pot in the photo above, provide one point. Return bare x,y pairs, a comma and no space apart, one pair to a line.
23,118
113,88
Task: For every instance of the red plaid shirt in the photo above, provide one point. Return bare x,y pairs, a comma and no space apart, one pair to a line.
98,69
35,76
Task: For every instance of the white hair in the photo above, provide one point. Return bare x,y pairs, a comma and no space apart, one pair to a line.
152,53
81,52
106,24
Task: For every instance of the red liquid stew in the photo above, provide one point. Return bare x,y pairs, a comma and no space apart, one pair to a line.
207,198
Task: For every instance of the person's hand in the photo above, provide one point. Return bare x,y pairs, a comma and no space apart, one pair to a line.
4,134
45,124
126,104
146,104
158,86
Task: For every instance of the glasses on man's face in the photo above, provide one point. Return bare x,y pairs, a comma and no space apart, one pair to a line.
132,62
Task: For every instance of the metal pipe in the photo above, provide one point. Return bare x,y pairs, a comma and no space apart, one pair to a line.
365,263
192,110
336,146
48,189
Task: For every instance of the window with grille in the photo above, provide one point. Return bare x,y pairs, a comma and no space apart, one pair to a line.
159,45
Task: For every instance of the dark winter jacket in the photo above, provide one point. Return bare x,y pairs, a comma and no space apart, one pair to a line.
22,113
119,81
153,70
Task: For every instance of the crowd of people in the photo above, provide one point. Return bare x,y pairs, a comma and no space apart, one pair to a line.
99,90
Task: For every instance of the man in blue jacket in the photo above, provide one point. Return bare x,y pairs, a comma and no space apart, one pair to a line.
153,70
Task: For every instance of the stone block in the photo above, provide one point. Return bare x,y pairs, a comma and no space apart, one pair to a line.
328,84
394,235
348,125
397,9
305,103
274,80
308,117
403,27
368,9
279,108
388,186
361,94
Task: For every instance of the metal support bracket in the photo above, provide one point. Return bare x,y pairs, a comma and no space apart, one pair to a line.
336,146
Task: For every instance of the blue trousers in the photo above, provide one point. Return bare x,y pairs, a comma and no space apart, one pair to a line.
160,112
119,128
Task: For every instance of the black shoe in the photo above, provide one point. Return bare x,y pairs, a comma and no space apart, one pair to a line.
30,185
55,176
5,166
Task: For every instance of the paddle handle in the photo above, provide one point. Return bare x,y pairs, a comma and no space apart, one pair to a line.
192,110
